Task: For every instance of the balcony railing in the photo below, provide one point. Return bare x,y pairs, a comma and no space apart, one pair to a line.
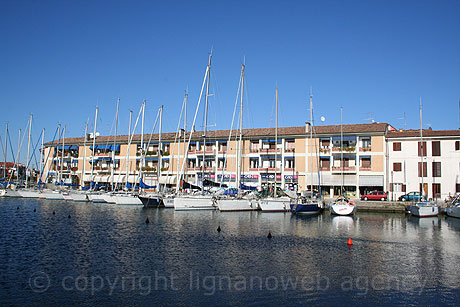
324,150
364,149
345,168
324,168
345,149
361,168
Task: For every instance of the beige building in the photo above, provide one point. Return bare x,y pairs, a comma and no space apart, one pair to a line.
355,161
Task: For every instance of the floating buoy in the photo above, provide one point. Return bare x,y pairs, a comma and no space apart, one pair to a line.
54,213
269,235
147,220
35,210
69,216
349,241
17,208
218,229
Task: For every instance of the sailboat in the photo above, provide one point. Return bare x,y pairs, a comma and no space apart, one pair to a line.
423,208
238,203
275,203
309,202
342,205
453,209
201,201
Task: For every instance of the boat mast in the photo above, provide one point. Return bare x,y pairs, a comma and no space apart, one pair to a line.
62,158
159,149
311,141
185,140
19,154
6,150
129,145
276,137
421,150
206,119
240,140
341,148
28,149
114,144
42,156
82,180
142,161
94,149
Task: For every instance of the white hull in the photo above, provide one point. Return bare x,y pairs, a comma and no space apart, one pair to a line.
236,205
2,193
12,193
193,203
271,204
52,196
424,209
28,193
168,202
123,199
453,211
342,208
96,198
78,196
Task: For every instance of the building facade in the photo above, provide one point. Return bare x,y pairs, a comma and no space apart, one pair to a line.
431,161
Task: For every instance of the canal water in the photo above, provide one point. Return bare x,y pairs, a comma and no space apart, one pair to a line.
88,254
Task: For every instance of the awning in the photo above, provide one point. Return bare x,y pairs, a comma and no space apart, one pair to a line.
345,138
102,178
106,147
68,147
168,180
333,180
371,181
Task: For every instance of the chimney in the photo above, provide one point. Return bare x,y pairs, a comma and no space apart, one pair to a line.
307,127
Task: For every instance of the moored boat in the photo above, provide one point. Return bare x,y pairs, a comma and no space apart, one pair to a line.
194,202
275,204
342,206
453,209
424,209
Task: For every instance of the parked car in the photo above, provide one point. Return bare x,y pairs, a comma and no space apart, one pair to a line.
412,196
375,195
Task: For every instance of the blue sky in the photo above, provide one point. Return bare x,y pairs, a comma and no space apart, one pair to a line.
59,59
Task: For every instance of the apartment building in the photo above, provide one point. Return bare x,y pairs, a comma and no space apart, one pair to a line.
431,161
352,156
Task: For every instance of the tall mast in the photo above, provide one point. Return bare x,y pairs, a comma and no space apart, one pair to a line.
129,145
82,180
185,139
114,144
28,149
206,118
159,149
19,153
311,140
42,156
62,158
276,138
142,146
240,140
341,148
94,148
421,148
6,150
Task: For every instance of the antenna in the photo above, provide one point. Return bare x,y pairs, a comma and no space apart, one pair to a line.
370,117
404,118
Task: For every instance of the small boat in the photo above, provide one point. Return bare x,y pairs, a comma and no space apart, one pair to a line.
236,204
424,209
151,200
307,204
122,199
342,206
453,209
275,204
194,202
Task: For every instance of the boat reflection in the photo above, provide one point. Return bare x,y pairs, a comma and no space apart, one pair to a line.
425,222
342,223
453,222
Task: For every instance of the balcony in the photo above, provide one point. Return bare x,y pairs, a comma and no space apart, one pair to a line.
324,168
289,150
324,150
254,149
269,150
344,149
365,149
365,169
288,169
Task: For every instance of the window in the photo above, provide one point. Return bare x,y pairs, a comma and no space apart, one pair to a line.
457,188
397,146
436,190
436,148
403,188
365,162
436,169
457,145
324,163
420,169
422,148
397,166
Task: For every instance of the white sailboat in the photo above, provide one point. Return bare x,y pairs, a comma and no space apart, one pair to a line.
423,208
342,205
238,203
202,201
453,209
275,203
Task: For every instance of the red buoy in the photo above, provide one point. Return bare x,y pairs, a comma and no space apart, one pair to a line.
349,241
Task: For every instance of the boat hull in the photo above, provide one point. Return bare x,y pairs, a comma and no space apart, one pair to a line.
151,201
193,203
130,200
424,210
79,197
453,211
280,204
312,208
342,209
28,193
226,205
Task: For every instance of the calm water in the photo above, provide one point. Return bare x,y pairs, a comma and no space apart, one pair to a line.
107,254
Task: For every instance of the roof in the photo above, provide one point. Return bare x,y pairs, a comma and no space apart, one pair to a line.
425,133
247,133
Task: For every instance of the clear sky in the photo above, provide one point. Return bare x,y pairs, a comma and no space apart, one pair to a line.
59,59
